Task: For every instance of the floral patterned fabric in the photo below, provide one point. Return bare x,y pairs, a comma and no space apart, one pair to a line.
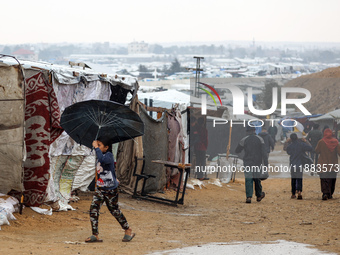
42,119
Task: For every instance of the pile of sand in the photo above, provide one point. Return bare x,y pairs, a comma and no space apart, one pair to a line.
324,87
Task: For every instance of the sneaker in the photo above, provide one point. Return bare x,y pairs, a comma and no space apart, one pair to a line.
261,197
293,196
324,197
248,201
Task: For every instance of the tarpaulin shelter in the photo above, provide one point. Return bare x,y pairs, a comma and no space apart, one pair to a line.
58,165
55,164
164,139
331,119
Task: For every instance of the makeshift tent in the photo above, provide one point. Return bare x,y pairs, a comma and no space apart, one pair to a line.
333,115
53,161
65,165
167,100
163,139
331,119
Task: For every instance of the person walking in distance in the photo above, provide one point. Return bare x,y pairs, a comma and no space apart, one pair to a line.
313,137
328,148
255,156
295,150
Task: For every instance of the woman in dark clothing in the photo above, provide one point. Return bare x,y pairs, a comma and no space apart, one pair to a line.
329,149
296,150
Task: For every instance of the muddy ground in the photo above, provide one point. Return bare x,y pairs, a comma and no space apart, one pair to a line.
209,214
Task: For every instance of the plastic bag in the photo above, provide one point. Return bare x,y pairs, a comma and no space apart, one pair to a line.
3,217
7,208
42,211
226,171
14,202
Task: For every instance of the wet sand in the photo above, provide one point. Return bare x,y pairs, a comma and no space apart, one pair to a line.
210,214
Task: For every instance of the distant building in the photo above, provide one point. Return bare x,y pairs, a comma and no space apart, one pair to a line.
25,54
138,48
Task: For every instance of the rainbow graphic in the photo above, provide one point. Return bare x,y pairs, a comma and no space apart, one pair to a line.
213,90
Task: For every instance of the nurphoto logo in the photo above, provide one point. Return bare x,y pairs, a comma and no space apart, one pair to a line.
238,100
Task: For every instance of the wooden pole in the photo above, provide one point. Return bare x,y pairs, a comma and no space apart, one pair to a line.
229,141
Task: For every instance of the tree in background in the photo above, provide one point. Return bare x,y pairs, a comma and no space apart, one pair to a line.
175,67
7,50
143,68
156,48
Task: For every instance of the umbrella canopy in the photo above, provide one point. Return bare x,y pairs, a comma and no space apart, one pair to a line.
87,120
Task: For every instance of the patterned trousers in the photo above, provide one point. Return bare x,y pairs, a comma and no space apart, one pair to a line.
110,197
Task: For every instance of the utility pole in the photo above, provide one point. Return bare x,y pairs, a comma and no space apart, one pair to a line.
197,76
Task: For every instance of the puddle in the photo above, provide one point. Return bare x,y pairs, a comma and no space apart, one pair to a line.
280,247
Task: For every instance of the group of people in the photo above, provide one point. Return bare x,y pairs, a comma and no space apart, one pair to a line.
323,147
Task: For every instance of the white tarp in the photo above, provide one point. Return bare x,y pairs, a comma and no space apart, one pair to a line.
166,99
328,116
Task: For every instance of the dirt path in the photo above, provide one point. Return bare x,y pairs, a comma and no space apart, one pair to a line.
210,214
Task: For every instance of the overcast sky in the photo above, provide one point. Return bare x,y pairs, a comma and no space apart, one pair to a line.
152,21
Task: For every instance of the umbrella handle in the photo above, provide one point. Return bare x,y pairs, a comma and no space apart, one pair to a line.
95,140
95,165
97,134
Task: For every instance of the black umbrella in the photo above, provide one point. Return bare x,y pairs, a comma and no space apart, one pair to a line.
86,121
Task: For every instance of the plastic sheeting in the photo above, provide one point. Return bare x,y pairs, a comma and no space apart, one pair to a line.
69,89
12,153
65,145
64,169
70,173
8,205
68,95
63,76
126,153
85,174
155,147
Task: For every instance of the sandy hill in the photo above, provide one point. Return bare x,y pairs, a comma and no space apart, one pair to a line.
324,87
